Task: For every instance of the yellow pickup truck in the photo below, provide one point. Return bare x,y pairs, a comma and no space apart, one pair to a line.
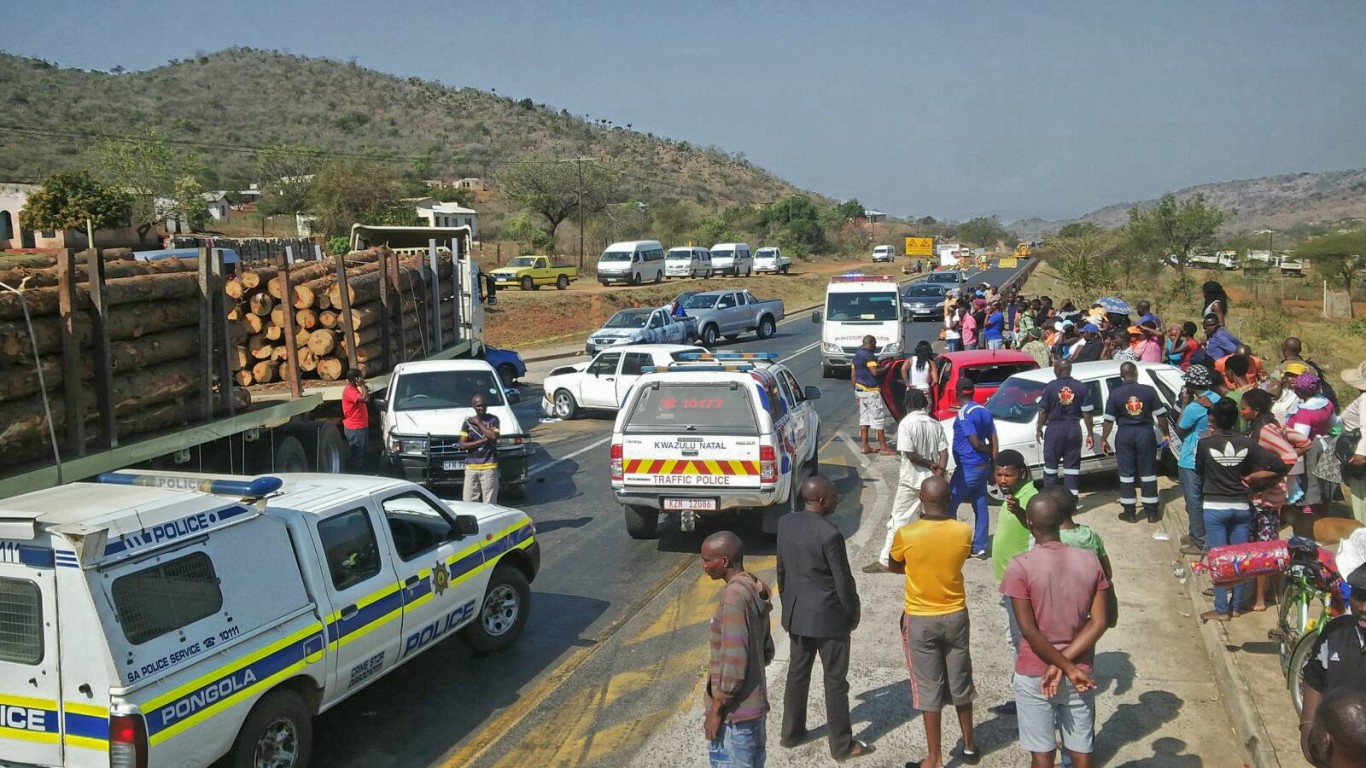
532,272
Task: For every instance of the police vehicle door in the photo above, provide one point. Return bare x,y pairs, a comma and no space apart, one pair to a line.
437,568
30,687
363,621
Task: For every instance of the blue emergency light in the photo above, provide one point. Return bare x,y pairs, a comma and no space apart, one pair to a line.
255,487
729,356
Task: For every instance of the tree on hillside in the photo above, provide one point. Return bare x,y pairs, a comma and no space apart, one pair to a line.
849,210
162,179
552,190
1078,228
286,173
351,191
985,231
793,223
1174,231
1340,257
671,219
1085,261
529,236
69,200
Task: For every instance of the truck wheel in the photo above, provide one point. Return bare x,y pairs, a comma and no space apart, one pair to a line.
561,282
332,450
765,328
290,455
528,284
278,732
507,602
785,268
709,336
642,522
565,407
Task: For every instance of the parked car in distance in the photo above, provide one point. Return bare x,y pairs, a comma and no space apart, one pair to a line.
507,363
771,260
642,326
731,313
923,299
532,272
883,253
602,383
947,277
987,368
732,259
633,262
687,262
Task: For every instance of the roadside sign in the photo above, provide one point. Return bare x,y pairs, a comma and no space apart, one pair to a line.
1010,262
920,246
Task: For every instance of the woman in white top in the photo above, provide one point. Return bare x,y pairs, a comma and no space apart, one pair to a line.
919,372
953,339
1216,301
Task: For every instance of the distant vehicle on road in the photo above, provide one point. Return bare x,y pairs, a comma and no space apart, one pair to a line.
632,261
858,305
923,299
951,278
732,259
771,260
731,313
687,262
532,272
642,326
883,253
602,383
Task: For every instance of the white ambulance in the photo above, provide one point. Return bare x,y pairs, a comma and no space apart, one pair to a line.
712,434
859,305
169,619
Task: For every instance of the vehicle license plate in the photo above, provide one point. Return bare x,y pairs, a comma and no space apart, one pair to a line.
698,505
453,466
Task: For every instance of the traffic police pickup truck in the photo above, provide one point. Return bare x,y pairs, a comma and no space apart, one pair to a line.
169,619
711,434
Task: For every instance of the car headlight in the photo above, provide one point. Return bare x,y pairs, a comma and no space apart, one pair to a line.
408,446
892,348
831,348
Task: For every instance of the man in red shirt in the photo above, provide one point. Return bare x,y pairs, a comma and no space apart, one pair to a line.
355,419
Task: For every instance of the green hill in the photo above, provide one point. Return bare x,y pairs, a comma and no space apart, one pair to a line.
228,104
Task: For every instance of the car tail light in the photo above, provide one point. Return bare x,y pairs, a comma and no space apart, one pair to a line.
127,742
616,461
768,464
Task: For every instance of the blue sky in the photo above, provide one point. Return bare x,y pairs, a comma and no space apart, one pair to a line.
948,109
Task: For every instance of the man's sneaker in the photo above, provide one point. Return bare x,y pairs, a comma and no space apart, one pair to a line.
1187,539
1193,549
875,568
980,554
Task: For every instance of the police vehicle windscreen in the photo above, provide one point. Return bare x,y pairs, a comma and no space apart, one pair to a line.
628,320
723,407
1017,400
876,307
445,389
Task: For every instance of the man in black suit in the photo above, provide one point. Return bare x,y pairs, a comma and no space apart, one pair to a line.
820,610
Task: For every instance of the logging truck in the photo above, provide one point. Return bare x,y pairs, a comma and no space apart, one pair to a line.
109,362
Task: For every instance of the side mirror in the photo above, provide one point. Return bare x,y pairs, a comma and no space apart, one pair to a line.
816,316
380,403
467,525
812,392
514,396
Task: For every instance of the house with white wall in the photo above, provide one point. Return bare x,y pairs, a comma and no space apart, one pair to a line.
437,214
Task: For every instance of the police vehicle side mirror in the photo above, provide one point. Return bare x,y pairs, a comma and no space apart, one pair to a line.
816,316
467,525
514,396
813,393
380,403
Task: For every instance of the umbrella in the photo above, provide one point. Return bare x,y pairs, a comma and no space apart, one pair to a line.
1115,305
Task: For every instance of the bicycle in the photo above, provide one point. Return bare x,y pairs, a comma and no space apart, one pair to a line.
1306,603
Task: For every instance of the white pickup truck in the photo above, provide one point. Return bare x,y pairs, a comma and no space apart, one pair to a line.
771,260
166,618
727,434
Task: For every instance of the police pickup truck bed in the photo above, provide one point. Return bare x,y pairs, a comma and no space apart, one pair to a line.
723,433
171,619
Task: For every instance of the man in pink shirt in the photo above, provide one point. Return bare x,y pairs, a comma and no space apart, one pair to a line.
1057,593
968,329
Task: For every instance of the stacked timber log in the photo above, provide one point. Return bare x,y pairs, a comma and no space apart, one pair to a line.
151,319
266,299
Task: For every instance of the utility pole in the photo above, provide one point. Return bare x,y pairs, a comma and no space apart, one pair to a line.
580,161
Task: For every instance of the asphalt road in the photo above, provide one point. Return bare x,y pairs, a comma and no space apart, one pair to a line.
451,707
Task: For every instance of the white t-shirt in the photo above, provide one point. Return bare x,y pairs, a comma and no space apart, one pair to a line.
950,320
919,433
919,377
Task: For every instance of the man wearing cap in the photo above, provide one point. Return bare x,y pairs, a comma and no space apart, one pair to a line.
1064,402
1354,469
1090,350
1192,424
1146,317
993,333
1338,658
974,450
1218,341
1134,408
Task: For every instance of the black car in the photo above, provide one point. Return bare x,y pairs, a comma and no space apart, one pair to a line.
923,299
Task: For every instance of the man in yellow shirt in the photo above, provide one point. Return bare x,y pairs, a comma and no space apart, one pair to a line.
934,628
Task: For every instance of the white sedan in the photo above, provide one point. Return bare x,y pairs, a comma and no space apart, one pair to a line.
602,383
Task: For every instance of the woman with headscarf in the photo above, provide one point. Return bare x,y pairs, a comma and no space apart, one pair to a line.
1312,417
1216,301
919,372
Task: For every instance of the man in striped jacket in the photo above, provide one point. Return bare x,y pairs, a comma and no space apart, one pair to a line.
741,646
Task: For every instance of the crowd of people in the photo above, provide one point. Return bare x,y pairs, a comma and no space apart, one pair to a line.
1258,444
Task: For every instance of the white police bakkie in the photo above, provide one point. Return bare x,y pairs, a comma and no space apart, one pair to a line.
169,619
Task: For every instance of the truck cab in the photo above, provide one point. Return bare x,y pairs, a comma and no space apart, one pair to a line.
858,305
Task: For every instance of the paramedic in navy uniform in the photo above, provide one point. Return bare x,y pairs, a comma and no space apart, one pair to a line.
1065,401
1134,408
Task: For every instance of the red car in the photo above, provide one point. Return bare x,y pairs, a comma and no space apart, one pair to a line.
987,368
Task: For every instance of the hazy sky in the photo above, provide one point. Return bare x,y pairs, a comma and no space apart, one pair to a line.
942,108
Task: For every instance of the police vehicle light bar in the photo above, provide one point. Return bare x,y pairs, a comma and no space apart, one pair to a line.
729,356
255,487
859,277
704,365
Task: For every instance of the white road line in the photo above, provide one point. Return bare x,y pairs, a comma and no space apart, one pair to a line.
539,468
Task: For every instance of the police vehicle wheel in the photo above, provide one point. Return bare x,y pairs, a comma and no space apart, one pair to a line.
290,455
766,328
277,734
503,613
565,407
813,464
561,282
642,522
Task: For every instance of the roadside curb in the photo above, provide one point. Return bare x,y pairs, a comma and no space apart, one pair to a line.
1228,674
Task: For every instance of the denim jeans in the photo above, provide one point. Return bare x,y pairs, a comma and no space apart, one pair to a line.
739,745
1194,494
995,343
1225,525
970,484
953,345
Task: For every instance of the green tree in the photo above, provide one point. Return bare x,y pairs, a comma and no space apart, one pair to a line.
162,179
1078,228
350,191
286,173
849,210
985,231
671,220
552,190
1172,231
69,200
1086,261
1340,257
793,223
529,236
